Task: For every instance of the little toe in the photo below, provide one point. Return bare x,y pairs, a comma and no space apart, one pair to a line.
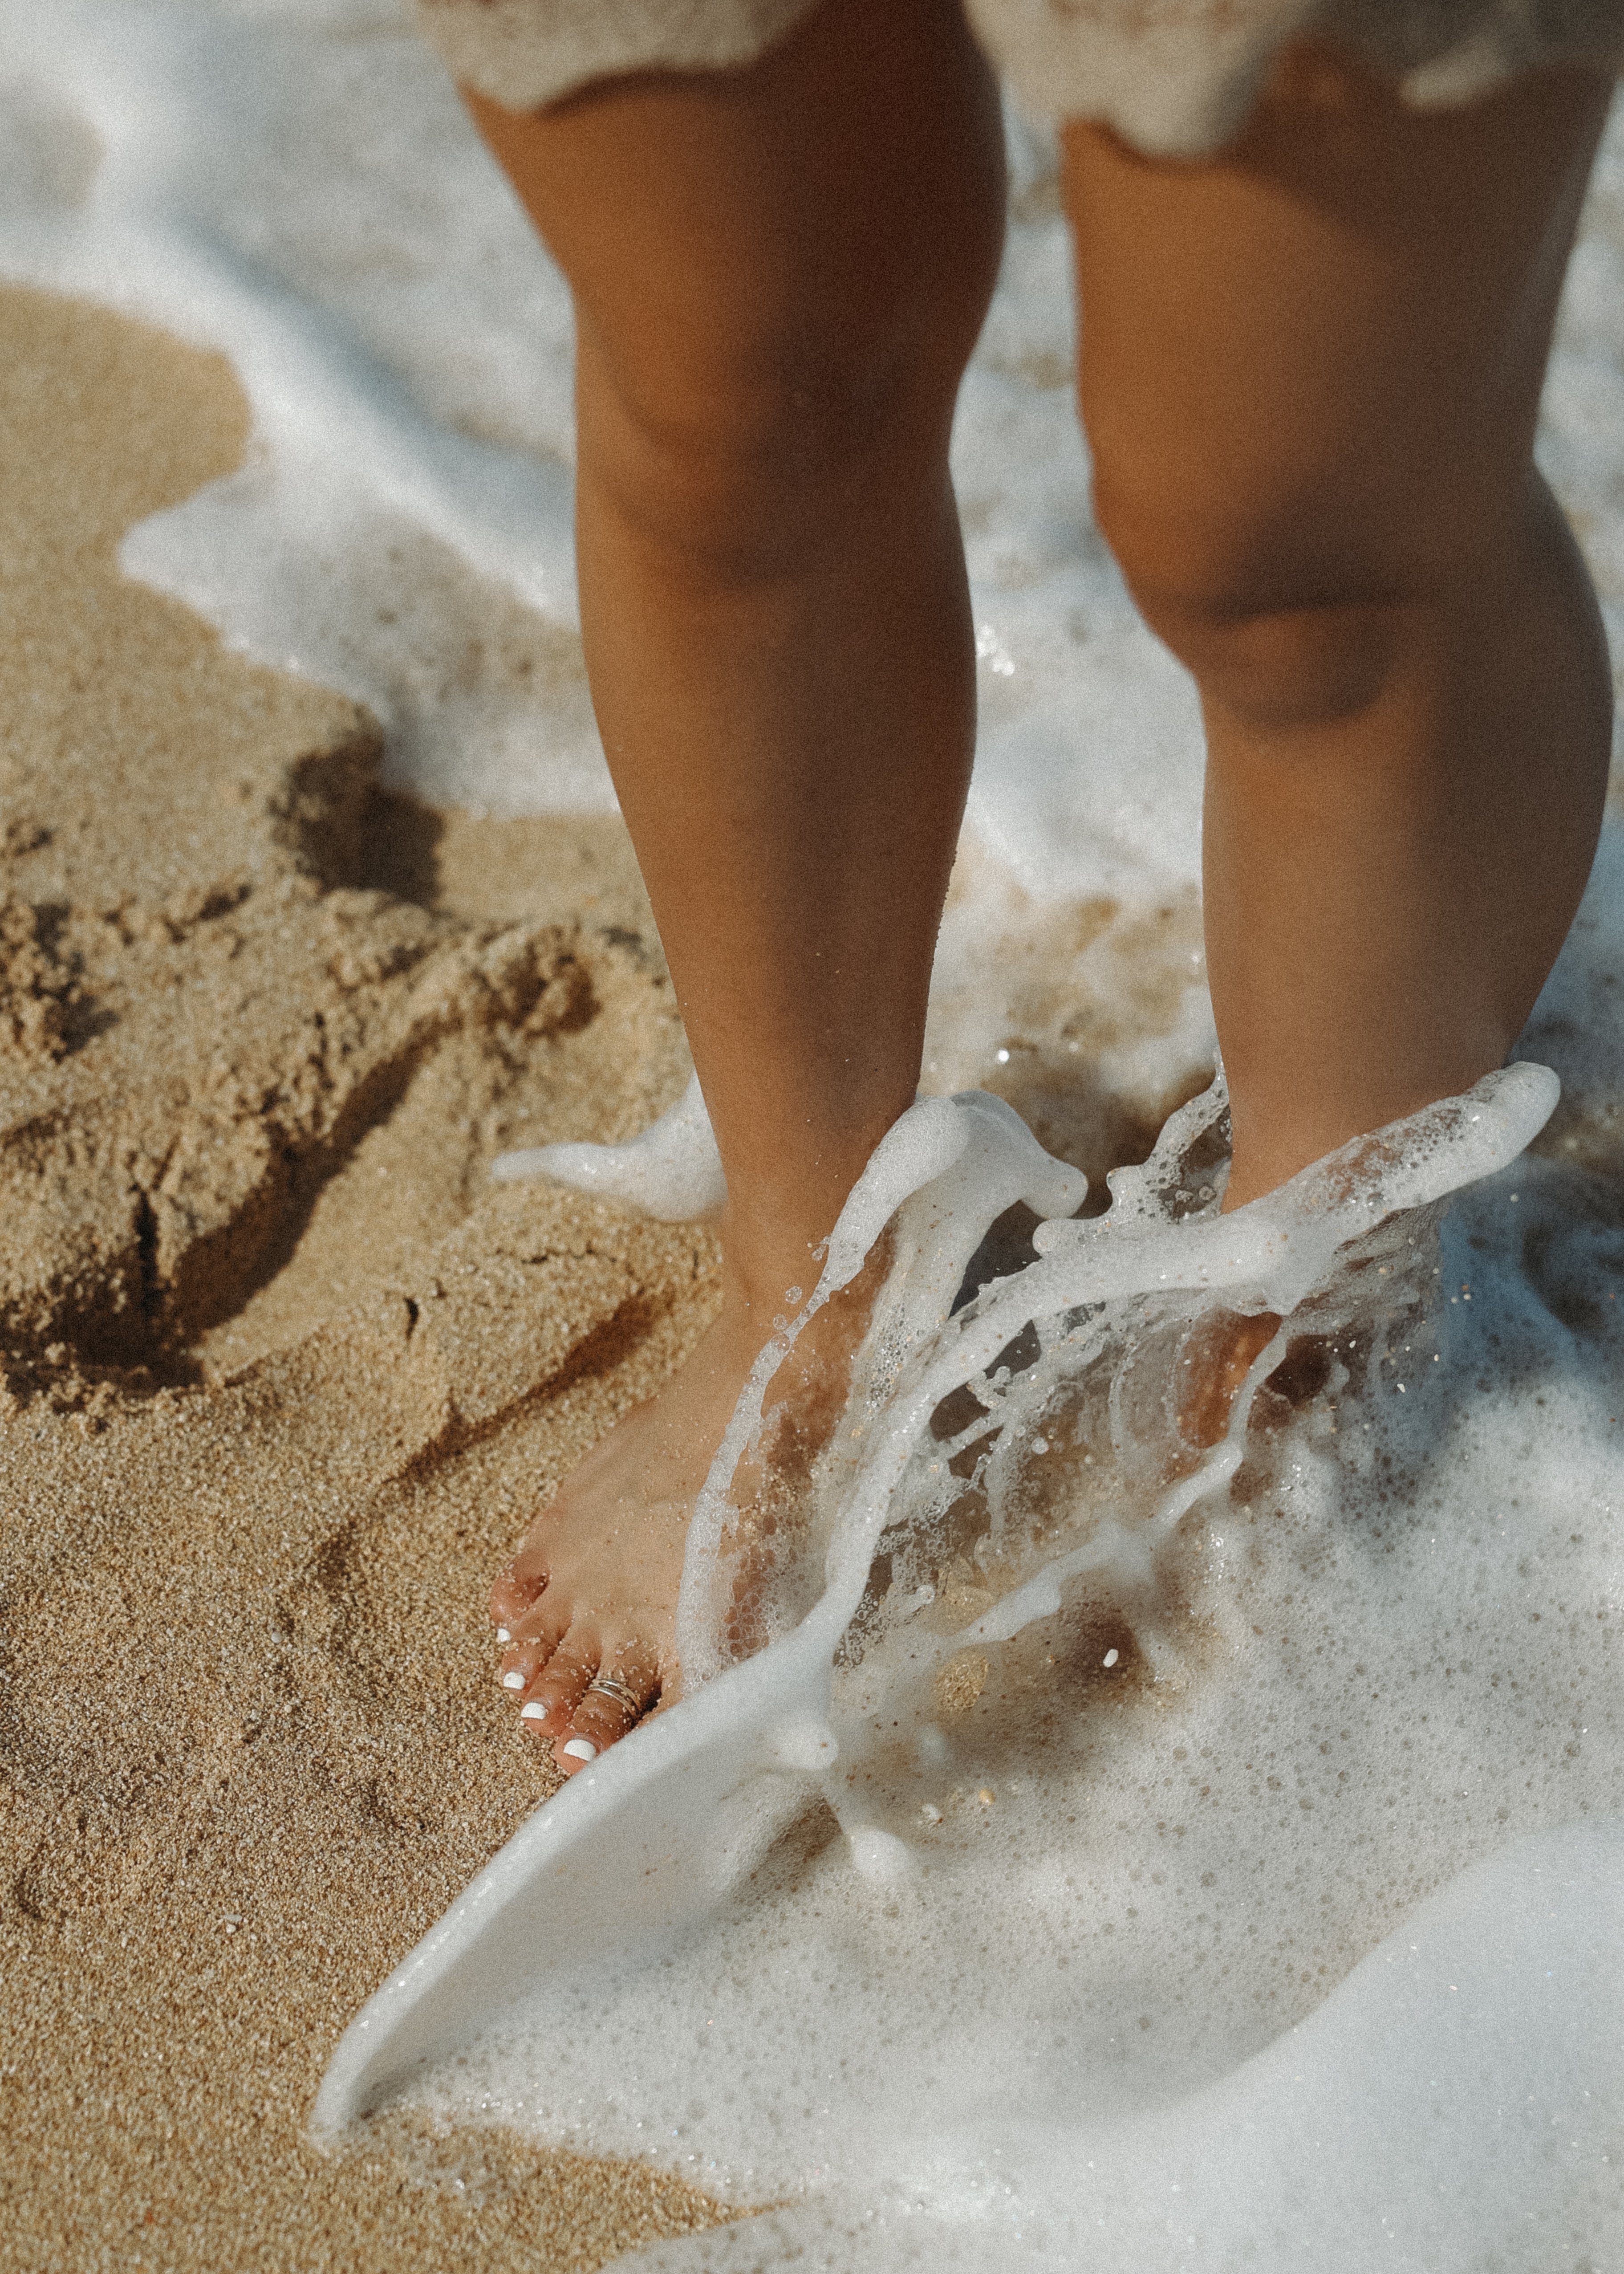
624,1685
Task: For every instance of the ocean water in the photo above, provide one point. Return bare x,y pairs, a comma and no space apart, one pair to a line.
1246,1895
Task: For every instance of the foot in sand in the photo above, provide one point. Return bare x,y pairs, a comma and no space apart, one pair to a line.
587,1609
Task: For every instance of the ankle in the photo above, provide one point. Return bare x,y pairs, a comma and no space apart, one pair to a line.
789,1178
774,1245
1298,1125
768,1280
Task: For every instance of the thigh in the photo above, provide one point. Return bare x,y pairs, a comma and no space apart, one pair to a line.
1309,366
831,210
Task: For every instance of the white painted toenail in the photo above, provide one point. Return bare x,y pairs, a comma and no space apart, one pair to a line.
533,1712
582,1749
513,1680
502,1635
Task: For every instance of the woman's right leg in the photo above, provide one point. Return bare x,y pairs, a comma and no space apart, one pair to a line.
778,274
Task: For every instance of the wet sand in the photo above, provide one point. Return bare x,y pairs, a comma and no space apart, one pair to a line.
283,1374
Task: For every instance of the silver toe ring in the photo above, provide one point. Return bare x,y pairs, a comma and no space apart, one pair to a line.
621,1693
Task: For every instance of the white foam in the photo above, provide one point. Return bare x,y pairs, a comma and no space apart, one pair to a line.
671,1171
1414,2121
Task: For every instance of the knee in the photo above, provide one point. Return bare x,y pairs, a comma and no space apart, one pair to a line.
1273,640
746,435
1278,662
744,454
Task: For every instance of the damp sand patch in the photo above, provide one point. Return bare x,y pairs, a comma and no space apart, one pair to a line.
283,1374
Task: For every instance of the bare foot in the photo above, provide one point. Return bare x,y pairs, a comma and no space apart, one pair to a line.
1215,1360
587,1609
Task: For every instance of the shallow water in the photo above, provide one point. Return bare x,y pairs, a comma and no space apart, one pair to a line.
1377,1655
1144,1732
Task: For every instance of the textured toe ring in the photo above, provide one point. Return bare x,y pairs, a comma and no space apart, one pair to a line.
611,1686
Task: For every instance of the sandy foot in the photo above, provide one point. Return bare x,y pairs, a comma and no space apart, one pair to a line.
587,1609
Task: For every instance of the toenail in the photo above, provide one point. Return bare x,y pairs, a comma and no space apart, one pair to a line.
502,1635
513,1680
582,1749
533,1712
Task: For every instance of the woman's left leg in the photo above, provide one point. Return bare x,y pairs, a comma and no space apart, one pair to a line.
1309,370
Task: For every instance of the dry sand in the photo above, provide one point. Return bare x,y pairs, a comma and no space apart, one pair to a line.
281,1374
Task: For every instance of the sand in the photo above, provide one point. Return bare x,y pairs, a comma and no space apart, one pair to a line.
282,1376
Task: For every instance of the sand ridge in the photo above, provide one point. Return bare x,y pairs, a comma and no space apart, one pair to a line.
283,1374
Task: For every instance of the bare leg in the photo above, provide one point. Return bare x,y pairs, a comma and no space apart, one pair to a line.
779,277
1310,371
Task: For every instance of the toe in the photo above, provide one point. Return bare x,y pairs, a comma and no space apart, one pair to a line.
625,1684
513,1594
552,1698
520,1588
530,1644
